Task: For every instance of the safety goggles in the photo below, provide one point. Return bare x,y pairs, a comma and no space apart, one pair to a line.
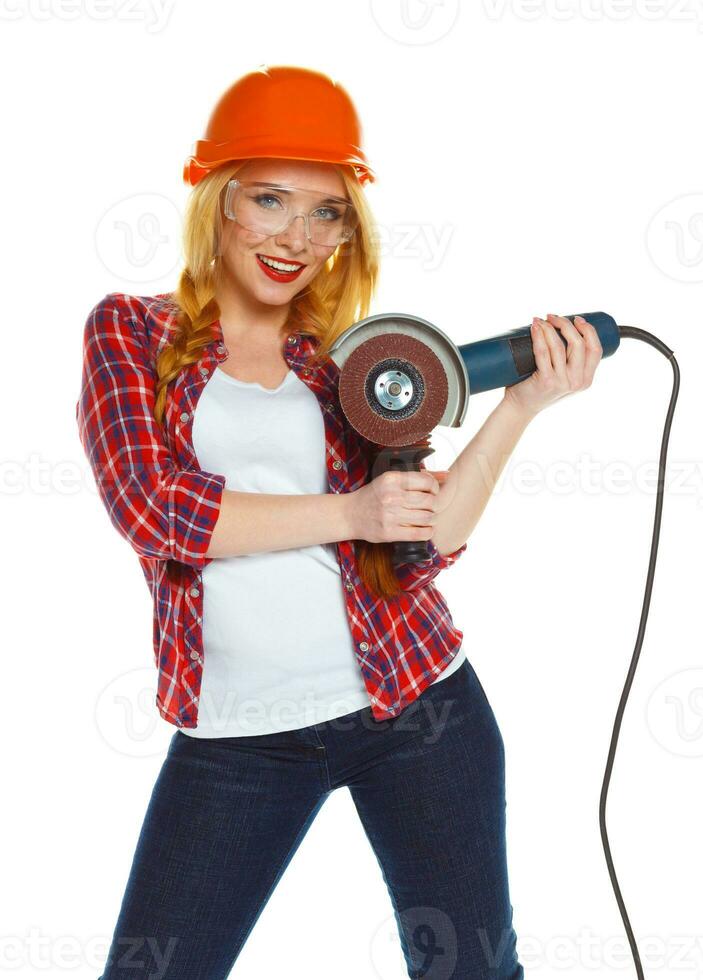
268,209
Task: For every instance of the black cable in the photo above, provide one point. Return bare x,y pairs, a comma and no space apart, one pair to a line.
648,338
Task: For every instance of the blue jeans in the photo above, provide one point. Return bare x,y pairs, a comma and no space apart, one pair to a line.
227,814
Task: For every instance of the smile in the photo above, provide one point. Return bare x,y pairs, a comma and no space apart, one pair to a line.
278,269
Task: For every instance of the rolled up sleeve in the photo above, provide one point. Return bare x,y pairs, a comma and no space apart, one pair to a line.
161,510
416,575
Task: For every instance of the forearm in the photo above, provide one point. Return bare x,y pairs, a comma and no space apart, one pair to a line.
474,474
253,522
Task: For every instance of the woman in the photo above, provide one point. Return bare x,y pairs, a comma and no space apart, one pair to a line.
292,657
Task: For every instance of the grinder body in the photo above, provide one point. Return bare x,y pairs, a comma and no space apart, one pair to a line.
508,358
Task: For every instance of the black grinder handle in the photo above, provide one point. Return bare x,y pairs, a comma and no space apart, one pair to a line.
406,458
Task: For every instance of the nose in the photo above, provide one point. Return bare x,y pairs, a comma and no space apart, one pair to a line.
294,234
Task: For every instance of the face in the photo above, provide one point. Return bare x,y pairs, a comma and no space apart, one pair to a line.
240,248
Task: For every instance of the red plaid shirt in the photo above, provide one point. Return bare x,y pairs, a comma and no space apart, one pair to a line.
159,499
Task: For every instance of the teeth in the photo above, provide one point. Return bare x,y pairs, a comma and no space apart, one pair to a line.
282,266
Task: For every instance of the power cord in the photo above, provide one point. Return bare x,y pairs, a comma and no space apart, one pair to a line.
648,338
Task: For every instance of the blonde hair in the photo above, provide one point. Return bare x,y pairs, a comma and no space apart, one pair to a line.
338,296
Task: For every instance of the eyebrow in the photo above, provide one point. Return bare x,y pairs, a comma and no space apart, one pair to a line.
285,190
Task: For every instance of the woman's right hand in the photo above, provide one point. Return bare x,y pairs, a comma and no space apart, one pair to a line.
397,505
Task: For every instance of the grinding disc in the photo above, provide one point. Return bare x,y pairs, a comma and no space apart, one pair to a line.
420,392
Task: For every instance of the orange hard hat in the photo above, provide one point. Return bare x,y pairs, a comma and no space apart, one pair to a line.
283,112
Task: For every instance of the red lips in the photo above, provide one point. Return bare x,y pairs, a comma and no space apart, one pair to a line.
276,274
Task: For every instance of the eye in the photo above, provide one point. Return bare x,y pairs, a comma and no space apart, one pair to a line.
259,198
332,214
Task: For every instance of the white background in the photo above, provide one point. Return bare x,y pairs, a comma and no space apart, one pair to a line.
531,158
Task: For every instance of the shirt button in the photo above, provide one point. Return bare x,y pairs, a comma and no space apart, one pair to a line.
220,349
193,654
204,371
195,592
184,416
336,465
306,371
363,646
349,587
292,339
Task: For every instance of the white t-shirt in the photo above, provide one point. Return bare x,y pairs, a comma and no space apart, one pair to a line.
278,650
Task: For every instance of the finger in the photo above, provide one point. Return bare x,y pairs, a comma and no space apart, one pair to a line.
433,484
417,517
416,500
409,480
594,348
557,351
557,347
540,349
575,349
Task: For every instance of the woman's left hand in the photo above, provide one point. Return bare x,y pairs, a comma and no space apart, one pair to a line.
560,370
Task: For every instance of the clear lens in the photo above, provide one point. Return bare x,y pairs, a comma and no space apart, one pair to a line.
268,209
